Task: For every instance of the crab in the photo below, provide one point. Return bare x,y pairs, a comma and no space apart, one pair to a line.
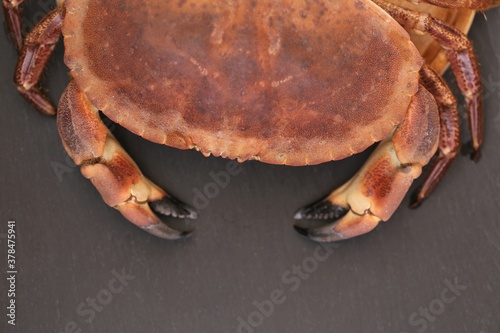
280,81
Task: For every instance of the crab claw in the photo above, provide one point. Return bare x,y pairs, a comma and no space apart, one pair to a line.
321,211
143,215
112,171
374,193
348,224
125,188
169,206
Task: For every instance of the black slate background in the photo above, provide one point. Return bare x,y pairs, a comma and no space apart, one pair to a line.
69,242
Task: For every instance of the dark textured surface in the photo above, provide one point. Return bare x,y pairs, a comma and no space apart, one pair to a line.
71,245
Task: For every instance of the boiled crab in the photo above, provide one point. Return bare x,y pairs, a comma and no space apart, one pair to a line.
280,81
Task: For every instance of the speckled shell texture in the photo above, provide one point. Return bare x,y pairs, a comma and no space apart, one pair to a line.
283,81
430,50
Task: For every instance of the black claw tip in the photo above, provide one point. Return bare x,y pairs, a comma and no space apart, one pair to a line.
322,235
164,231
476,155
169,206
416,201
186,234
323,210
302,231
414,204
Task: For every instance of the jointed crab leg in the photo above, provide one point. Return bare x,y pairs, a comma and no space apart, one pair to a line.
376,191
111,170
13,19
472,4
35,53
449,136
462,59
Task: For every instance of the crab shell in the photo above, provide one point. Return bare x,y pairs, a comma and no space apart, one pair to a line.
278,81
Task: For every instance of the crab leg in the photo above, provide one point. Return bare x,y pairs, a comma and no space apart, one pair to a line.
112,171
462,59
449,137
34,55
472,4
12,15
375,192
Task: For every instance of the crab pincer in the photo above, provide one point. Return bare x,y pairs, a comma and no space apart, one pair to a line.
375,192
112,171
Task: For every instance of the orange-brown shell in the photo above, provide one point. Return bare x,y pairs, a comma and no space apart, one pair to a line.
283,81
